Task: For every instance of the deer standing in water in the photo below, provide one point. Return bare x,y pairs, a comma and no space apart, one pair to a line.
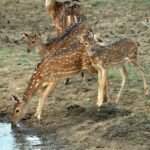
64,13
114,54
56,65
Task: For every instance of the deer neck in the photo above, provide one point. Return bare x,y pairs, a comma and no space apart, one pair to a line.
92,52
89,51
32,86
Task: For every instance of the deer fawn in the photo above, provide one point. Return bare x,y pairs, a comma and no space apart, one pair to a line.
64,13
55,66
114,54
68,36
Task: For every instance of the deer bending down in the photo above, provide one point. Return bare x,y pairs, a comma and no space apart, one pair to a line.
64,13
55,66
114,54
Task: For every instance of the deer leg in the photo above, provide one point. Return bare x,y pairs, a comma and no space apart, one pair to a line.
75,19
106,89
44,93
67,81
82,75
139,66
102,79
124,75
69,21
84,80
107,96
58,29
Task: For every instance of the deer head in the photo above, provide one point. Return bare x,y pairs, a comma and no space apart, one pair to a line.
20,109
73,5
88,42
32,40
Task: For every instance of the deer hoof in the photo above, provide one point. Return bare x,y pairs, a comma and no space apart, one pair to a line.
38,115
98,103
146,93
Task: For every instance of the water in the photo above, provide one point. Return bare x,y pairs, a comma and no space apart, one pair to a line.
11,140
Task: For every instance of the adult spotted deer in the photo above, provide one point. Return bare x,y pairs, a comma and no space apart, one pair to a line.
67,37
56,65
64,13
115,54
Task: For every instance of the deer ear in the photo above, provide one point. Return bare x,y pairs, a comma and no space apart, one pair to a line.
15,98
25,35
37,35
80,39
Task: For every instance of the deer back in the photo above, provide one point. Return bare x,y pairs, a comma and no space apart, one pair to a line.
116,52
68,36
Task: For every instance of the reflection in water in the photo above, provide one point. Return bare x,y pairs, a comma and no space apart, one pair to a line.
14,141
34,141
7,141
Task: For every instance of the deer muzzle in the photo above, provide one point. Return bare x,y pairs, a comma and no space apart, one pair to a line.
28,50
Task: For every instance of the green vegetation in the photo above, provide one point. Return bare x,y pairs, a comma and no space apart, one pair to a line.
27,59
132,71
114,74
17,56
118,3
97,2
141,2
4,53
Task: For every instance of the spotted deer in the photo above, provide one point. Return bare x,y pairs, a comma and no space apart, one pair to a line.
115,54
56,65
67,37
64,13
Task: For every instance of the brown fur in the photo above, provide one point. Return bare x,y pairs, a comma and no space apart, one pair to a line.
114,54
64,13
56,65
67,37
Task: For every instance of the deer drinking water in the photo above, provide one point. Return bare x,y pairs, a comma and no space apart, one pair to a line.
114,54
56,65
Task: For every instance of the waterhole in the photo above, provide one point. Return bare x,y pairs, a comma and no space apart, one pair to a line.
11,140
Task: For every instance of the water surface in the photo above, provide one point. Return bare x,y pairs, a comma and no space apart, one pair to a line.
11,140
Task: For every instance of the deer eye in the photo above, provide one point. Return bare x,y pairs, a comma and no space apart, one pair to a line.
33,42
86,43
17,110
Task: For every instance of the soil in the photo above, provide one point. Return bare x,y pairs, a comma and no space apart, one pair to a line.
70,119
